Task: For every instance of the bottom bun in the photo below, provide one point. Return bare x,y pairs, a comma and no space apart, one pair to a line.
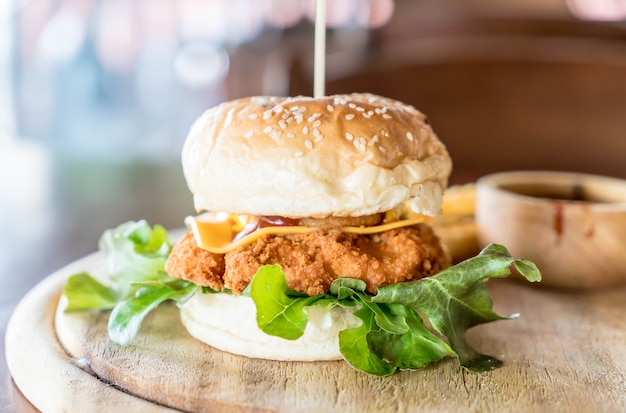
228,323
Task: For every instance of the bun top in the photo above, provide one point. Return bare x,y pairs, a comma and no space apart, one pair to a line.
341,155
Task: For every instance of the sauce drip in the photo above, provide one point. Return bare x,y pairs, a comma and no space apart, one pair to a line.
558,219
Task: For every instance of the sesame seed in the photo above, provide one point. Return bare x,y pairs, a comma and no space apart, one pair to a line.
367,115
316,132
302,109
349,116
308,144
290,135
318,138
275,134
317,123
249,134
253,116
383,110
267,114
298,154
294,108
382,149
313,117
375,138
349,136
360,109
386,116
282,124
305,130
351,105
268,129
330,108
409,136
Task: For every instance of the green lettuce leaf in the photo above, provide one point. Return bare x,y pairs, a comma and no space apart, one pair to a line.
456,299
137,282
392,334
86,293
355,348
414,349
279,308
128,315
135,253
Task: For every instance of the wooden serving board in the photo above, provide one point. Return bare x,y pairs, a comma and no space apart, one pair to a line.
566,352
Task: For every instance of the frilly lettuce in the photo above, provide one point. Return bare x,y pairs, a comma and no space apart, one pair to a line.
135,255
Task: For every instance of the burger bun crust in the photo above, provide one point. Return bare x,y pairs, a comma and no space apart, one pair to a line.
341,155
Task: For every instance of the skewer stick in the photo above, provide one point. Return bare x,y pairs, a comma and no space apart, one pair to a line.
319,69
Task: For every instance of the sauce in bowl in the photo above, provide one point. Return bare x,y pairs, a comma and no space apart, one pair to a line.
572,225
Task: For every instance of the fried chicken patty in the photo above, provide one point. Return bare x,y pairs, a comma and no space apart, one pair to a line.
311,261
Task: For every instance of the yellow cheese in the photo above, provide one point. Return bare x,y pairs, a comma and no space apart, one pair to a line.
217,236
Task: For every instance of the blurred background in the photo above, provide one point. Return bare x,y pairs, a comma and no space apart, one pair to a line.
96,97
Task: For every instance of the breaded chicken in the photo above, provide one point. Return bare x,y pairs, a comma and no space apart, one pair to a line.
311,261
192,263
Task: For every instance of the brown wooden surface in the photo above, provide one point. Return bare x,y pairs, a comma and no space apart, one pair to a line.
565,352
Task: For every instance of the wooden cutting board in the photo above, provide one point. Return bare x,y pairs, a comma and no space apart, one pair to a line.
566,352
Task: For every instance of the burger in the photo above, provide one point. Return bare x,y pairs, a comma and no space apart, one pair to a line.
312,239
316,186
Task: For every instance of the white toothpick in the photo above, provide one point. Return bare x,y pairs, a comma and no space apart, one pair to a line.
319,70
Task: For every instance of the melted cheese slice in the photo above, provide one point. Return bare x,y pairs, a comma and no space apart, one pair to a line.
216,234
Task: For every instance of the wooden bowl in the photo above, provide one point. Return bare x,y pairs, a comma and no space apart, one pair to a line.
572,225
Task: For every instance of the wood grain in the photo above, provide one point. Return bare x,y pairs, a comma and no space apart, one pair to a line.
566,352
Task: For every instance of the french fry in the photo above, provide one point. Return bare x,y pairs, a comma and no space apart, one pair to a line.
459,200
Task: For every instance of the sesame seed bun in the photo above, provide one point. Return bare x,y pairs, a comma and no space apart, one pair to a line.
342,155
